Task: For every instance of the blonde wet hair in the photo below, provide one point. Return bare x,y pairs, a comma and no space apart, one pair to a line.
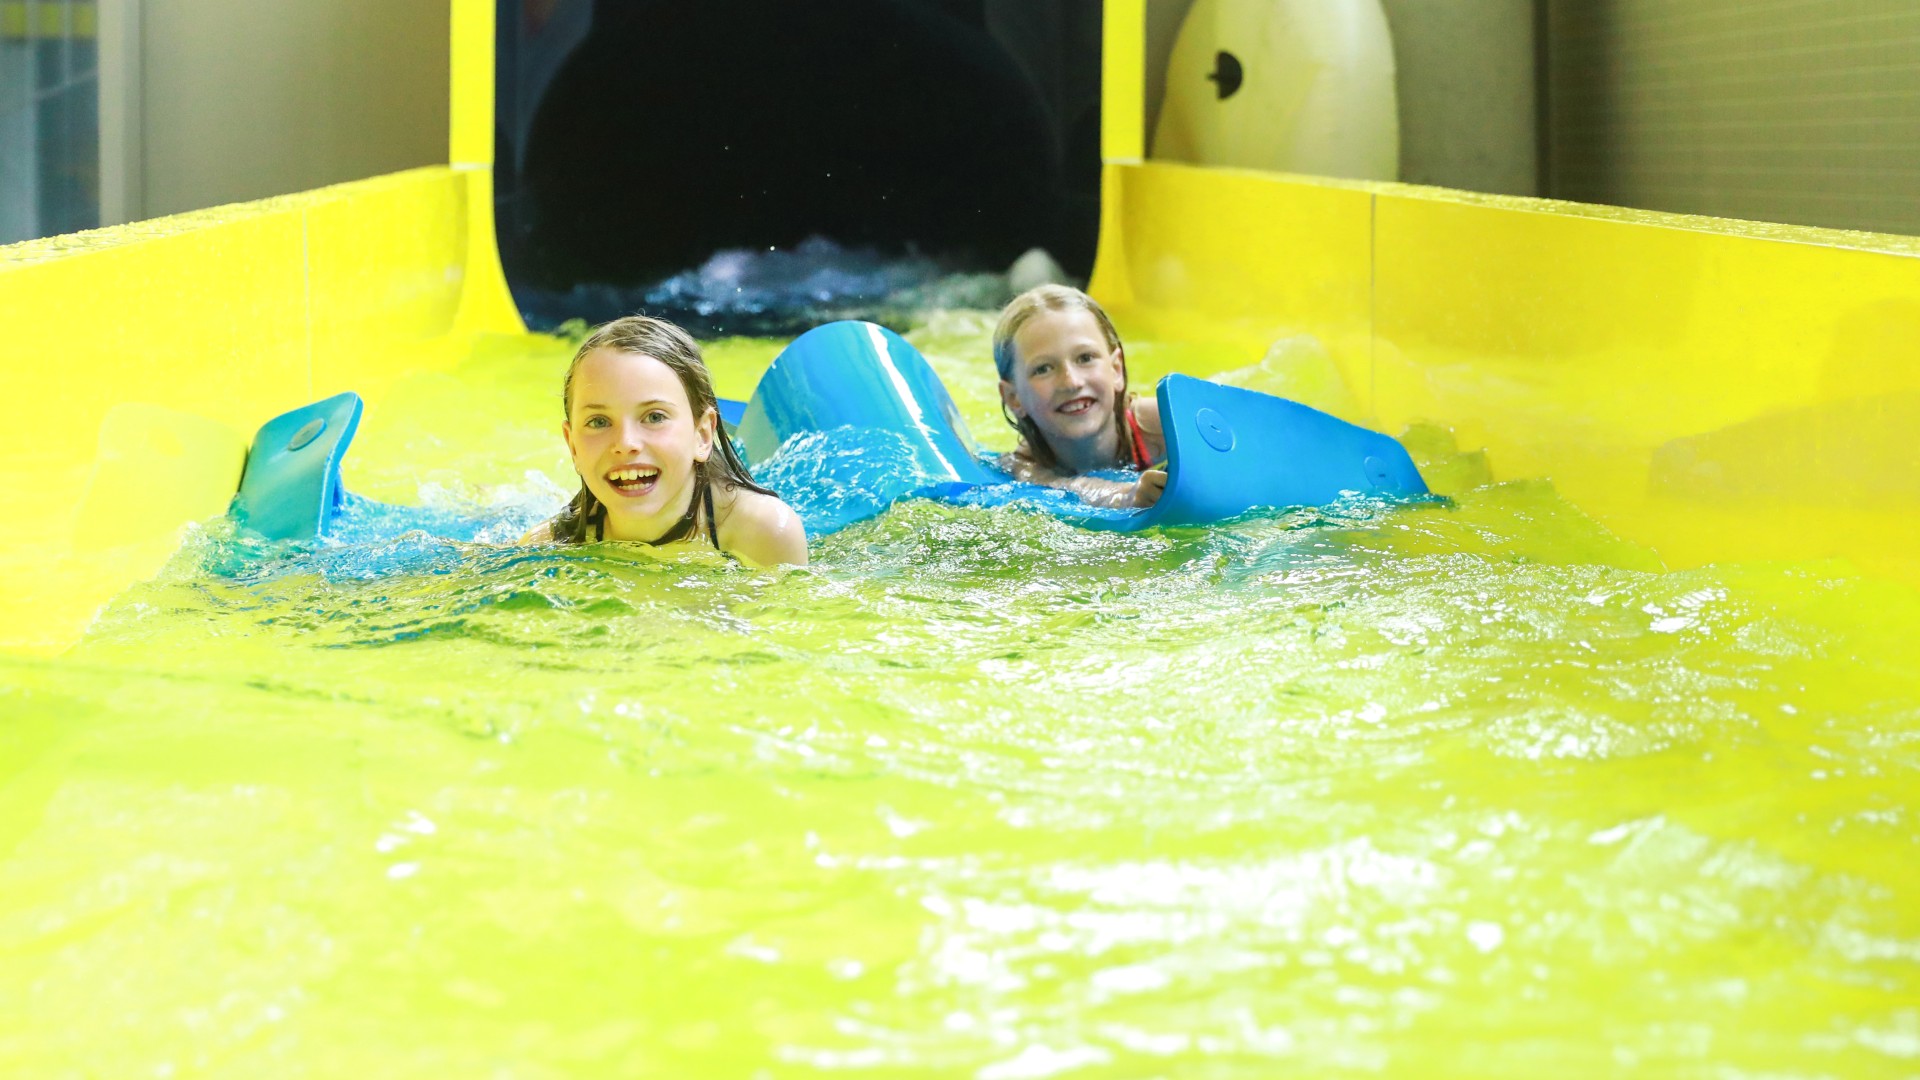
1022,309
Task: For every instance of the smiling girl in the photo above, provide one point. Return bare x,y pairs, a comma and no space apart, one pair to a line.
1063,386
642,428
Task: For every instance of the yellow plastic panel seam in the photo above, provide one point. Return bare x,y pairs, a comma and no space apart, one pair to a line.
1123,67
1708,388
385,277
1242,257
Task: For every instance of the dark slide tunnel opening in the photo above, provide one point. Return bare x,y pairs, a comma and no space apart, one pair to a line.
637,138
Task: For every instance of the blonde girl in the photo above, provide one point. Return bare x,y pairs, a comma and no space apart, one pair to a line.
1063,386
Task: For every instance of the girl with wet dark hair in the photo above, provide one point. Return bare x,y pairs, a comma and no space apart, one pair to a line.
643,428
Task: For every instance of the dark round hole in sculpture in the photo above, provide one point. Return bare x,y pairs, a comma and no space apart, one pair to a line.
1227,74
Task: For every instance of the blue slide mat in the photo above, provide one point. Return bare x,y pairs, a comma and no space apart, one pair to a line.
850,418
291,487
851,409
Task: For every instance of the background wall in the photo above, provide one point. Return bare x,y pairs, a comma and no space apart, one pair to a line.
1801,111
240,99
1467,98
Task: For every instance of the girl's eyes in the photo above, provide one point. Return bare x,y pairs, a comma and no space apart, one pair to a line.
1082,359
653,416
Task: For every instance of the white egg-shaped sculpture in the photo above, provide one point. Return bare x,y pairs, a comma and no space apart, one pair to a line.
1302,86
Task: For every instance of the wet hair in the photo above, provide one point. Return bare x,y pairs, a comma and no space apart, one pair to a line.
1021,310
672,346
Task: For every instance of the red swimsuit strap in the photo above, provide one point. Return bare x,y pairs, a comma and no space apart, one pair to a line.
1137,439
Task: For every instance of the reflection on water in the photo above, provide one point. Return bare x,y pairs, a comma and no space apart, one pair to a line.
1466,787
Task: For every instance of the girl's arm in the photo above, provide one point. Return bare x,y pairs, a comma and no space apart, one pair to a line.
1118,494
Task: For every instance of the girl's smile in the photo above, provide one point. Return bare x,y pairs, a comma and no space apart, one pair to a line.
634,483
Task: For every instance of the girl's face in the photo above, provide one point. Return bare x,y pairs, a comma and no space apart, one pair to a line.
1065,376
634,437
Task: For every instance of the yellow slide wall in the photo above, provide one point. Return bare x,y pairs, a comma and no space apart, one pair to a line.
1712,389
136,361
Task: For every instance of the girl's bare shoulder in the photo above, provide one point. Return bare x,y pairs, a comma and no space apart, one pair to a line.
758,528
539,534
1146,409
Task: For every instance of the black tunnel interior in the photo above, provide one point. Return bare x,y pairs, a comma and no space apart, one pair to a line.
635,138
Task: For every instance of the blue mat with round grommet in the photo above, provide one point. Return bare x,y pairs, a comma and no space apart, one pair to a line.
850,418
291,487
1230,450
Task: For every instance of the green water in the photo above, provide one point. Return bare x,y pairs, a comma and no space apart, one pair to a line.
1445,790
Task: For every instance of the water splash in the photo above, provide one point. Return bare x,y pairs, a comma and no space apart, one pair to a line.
1464,786
779,292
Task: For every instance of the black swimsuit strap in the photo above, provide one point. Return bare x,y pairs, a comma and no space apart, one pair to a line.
683,528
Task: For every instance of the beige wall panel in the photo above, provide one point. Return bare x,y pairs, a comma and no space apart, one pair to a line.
1467,97
243,99
1799,111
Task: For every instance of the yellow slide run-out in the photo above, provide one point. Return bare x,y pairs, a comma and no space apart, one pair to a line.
1711,389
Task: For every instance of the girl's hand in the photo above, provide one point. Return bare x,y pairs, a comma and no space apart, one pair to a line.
1148,489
